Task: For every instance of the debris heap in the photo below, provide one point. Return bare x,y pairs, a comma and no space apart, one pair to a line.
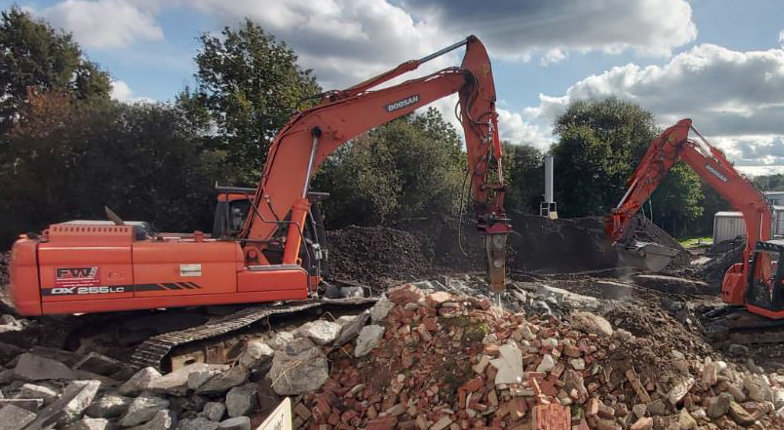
453,362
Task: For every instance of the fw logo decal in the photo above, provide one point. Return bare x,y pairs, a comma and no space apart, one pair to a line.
77,277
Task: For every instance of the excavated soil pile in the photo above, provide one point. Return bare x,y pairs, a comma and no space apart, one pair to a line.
4,257
569,244
374,255
723,255
425,246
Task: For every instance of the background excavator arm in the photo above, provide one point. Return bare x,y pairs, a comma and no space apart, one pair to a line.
714,168
280,204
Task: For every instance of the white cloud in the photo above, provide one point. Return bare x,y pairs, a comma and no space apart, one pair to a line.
555,55
514,128
123,93
735,97
105,24
344,41
348,40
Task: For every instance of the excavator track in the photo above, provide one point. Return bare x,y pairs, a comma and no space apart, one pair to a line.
153,351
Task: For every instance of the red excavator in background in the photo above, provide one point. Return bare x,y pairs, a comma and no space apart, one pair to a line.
754,285
101,266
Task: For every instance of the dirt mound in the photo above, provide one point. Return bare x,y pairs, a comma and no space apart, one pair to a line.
4,258
723,255
569,244
373,255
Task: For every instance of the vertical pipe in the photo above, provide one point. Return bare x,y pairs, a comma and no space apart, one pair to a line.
548,179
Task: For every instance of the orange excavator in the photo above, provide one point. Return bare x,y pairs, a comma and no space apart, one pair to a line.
101,266
753,288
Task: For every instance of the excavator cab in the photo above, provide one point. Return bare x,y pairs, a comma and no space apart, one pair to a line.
765,288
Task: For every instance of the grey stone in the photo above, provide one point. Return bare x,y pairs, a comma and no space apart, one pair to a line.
144,408
100,364
197,379
69,407
280,340
381,309
29,404
368,338
33,391
350,330
346,292
224,381
657,408
15,418
343,319
109,406
320,332
758,388
241,400
299,371
237,423
32,367
177,382
214,411
162,420
547,364
88,423
198,423
139,382
255,354
591,323
719,405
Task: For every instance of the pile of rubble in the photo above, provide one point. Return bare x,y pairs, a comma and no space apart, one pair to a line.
454,362
421,358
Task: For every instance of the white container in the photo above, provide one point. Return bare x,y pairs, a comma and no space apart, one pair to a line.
728,225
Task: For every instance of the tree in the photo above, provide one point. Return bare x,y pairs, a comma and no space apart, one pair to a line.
524,176
247,86
33,56
411,167
600,144
67,160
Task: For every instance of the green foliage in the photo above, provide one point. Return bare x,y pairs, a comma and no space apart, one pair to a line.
411,167
36,57
524,177
66,160
769,182
600,144
248,85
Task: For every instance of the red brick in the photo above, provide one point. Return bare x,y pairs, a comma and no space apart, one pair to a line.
551,417
382,423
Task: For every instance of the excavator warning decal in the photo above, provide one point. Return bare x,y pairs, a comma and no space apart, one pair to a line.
113,289
77,277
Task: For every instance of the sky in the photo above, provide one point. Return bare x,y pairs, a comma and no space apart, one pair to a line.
719,62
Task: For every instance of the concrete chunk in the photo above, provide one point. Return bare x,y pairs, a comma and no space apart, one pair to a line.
140,381
368,338
15,418
33,367
144,408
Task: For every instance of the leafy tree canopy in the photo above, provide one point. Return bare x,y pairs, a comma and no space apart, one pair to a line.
247,86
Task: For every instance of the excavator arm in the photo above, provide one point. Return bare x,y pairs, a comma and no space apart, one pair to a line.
280,206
